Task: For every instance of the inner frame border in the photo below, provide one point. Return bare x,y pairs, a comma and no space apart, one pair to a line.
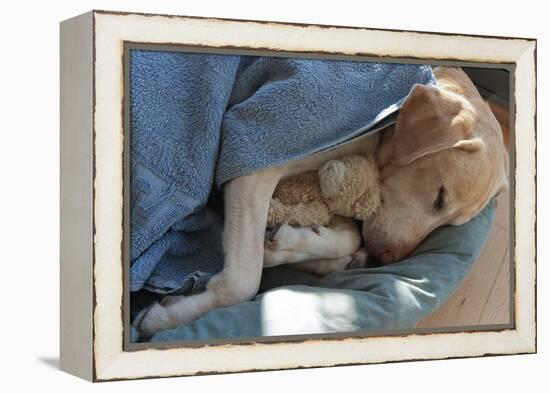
128,46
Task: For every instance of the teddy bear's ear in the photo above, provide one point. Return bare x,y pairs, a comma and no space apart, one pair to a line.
367,204
331,178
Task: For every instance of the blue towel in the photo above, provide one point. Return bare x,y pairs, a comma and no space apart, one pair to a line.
198,120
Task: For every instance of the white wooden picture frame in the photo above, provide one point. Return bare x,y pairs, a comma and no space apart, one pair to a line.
93,186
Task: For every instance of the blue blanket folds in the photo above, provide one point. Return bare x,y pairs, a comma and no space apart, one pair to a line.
200,119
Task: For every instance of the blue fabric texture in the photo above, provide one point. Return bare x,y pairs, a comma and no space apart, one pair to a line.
199,120
392,297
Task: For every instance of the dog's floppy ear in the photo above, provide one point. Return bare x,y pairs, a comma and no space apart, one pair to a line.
430,121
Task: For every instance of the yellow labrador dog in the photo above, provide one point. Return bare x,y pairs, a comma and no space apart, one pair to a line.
440,164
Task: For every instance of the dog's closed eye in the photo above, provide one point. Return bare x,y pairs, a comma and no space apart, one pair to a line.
440,201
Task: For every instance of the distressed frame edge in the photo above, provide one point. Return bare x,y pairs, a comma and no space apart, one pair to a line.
529,344
303,24
525,224
76,196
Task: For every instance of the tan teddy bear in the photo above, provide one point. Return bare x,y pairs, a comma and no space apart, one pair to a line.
348,187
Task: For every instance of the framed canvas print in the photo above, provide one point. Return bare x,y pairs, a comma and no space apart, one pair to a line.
246,195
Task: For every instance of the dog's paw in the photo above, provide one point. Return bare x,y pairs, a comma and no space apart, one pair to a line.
154,319
316,229
358,259
279,244
168,301
283,237
270,242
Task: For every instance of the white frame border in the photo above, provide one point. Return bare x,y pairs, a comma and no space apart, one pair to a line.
111,30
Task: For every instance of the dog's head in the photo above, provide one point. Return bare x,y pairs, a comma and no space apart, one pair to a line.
440,164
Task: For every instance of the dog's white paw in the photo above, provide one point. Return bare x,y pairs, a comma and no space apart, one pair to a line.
283,237
358,259
153,319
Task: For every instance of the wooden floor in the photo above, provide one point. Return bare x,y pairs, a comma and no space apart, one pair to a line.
483,298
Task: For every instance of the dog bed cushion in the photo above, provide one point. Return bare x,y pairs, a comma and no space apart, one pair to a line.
387,299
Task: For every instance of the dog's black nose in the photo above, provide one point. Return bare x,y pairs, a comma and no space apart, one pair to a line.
373,261
380,259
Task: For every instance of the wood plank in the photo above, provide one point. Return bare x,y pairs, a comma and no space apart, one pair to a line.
502,211
467,304
497,309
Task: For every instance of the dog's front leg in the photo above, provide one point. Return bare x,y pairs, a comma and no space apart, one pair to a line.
246,202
